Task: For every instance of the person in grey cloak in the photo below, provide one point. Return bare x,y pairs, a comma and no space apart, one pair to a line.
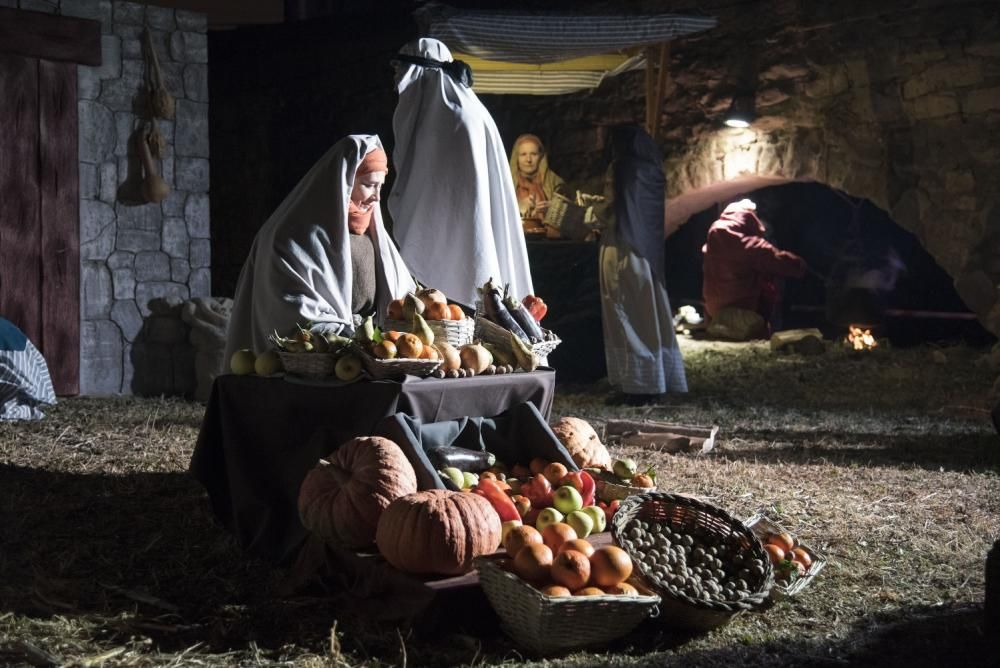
640,346
453,205
324,256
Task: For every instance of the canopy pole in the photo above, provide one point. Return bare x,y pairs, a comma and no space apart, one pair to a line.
661,87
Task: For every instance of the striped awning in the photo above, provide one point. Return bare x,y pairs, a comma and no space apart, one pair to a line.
548,53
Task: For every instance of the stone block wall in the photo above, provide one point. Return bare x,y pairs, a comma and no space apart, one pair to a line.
139,262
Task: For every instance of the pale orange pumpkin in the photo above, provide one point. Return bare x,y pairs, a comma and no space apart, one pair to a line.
582,443
342,499
437,532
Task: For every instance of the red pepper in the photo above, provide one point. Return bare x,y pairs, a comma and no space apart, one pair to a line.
536,307
584,484
610,510
492,492
539,491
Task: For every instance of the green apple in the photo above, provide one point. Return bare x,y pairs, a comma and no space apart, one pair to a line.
242,361
581,522
625,468
454,475
348,367
268,363
469,479
600,519
546,517
566,499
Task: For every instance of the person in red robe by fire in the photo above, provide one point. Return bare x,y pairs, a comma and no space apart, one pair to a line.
742,270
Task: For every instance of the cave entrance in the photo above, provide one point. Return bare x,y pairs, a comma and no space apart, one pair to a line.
865,269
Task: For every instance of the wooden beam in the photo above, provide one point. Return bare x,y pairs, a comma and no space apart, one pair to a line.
50,37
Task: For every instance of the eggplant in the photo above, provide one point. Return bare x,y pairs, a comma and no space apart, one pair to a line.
497,312
463,459
524,318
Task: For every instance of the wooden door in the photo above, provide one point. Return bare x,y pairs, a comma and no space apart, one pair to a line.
39,210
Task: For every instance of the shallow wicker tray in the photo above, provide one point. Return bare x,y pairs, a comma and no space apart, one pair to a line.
609,487
396,369
456,332
761,526
312,365
490,332
685,515
548,624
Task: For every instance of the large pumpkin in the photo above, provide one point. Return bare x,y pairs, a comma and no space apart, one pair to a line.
342,500
582,443
437,532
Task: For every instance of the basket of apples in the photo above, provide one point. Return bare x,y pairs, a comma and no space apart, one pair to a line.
624,480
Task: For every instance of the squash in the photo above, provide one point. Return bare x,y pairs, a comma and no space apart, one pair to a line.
582,443
342,499
437,532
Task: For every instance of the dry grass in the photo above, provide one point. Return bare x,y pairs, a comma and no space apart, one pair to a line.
888,464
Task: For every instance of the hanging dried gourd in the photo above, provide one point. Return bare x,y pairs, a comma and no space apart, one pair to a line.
154,188
159,99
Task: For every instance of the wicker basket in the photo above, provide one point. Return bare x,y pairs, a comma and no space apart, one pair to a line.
561,209
610,487
762,528
492,333
548,624
456,332
396,369
690,517
312,365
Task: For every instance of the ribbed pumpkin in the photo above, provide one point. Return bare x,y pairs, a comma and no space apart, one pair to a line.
437,532
342,499
582,443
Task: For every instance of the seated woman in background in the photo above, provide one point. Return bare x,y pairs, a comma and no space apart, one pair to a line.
323,256
534,182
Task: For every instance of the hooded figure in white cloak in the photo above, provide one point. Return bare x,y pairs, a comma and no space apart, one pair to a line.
324,256
453,205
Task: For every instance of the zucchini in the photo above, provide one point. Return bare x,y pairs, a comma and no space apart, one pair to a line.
463,459
497,312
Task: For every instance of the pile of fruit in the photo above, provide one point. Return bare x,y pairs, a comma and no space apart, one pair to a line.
558,563
790,560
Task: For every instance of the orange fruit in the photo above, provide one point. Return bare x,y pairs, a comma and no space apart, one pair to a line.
801,556
409,346
554,535
395,310
429,353
579,544
775,553
520,536
609,565
589,591
556,590
783,540
537,465
555,472
456,312
522,503
437,311
391,335
385,350
621,589
532,562
571,569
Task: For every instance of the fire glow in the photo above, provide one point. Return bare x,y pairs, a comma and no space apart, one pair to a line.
860,339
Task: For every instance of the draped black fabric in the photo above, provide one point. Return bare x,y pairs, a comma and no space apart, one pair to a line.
639,186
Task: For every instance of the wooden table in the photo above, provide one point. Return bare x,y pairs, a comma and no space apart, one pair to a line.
260,436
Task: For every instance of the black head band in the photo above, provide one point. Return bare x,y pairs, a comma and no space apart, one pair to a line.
458,70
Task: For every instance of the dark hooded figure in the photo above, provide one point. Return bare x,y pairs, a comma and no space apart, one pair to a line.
641,349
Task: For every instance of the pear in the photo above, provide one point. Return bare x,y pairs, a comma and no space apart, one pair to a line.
422,330
526,357
412,305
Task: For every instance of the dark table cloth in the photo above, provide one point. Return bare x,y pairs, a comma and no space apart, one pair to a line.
256,442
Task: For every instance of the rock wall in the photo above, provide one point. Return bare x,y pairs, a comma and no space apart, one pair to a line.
894,102
139,262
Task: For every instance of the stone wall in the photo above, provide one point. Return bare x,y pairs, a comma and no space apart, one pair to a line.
139,262
898,103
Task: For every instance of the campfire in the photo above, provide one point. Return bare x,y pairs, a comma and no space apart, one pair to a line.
859,338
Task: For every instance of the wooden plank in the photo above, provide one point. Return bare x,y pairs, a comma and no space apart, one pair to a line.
59,38
662,435
60,233
20,264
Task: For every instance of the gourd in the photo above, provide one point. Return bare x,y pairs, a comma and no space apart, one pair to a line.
342,499
582,443
437,532
154,188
